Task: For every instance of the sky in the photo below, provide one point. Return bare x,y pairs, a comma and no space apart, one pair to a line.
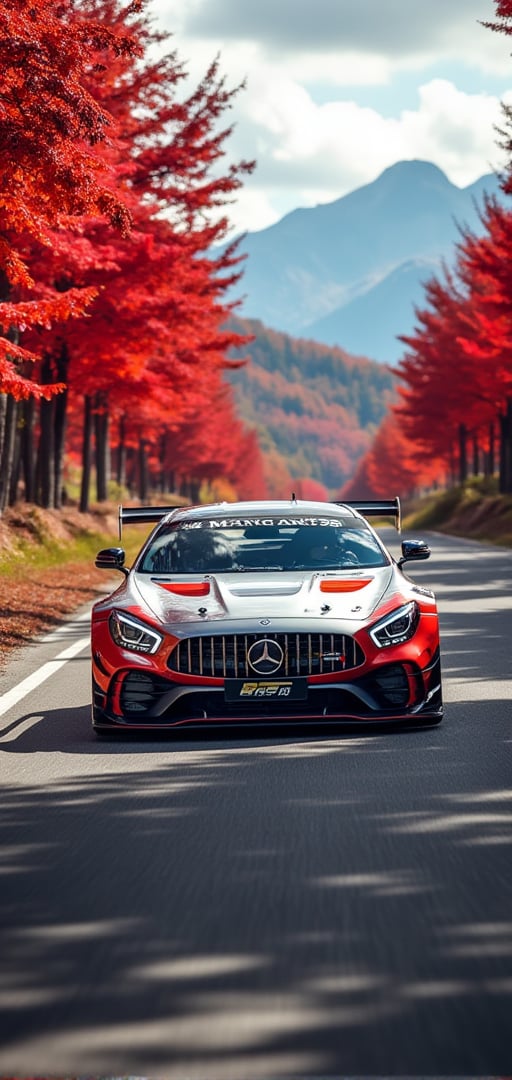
338,90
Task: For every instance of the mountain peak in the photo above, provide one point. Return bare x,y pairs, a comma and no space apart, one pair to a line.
304,273
412,170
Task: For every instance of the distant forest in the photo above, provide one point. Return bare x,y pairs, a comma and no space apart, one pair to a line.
315,408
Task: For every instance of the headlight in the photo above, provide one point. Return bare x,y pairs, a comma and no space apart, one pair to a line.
128,633
397,627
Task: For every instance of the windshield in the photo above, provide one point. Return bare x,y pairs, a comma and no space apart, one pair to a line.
214,545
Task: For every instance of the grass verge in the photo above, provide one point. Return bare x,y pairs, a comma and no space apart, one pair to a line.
476,511
33,539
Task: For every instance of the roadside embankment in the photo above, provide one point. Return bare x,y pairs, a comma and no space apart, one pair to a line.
47,568
469,511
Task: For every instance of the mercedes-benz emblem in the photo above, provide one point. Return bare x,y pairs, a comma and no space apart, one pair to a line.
265,656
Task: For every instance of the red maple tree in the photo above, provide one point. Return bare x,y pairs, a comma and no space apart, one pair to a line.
155,335
50,126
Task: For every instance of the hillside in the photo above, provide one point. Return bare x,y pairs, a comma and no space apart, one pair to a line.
315,408
350,271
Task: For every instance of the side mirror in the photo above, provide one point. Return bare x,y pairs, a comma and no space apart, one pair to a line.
111,559
414,549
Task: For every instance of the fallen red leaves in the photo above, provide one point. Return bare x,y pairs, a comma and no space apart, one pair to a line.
42,600
37,599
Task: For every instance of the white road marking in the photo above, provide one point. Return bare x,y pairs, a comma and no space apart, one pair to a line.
32,681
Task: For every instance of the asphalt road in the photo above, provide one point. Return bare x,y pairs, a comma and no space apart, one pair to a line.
286,905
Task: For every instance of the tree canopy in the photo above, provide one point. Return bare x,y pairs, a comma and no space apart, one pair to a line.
114,194
454,405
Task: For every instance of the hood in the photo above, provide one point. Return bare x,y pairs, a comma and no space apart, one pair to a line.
347,595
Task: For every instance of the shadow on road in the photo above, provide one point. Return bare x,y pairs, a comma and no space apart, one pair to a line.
249,908
275,904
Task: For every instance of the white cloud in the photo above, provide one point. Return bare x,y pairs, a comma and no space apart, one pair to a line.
454,129
368,28
303,116
316,153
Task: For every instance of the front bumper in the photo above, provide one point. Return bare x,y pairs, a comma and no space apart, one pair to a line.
141,700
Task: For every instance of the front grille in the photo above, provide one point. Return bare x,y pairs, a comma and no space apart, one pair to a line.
224,656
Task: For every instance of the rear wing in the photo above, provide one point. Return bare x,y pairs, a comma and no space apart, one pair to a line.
369,508
141,514
377,508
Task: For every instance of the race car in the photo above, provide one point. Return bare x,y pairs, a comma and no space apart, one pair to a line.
254,613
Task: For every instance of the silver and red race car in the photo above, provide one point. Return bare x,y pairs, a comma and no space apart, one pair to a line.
264,613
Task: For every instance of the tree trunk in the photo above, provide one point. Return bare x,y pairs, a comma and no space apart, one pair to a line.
162,479
143,472
27,450
195,487
101,431
86,455
60,422
131,479
7,451
476,456
46,460
46,471
505,483
8,413
121,454
492,450
463,454
16,458
3,414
